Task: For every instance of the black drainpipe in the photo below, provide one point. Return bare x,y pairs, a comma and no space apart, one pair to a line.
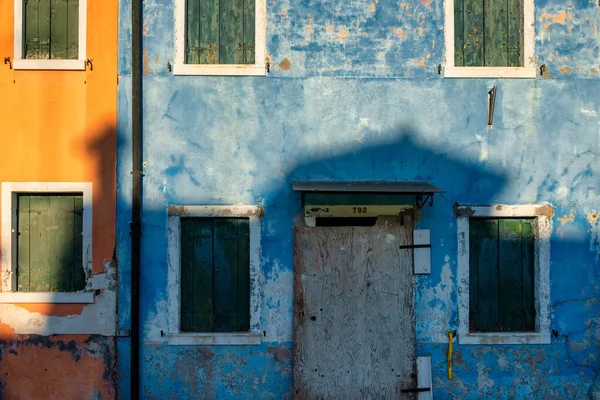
136,190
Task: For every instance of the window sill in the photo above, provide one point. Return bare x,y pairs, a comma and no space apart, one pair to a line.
58,65
215,339
490,72
504,338
47,297
219,70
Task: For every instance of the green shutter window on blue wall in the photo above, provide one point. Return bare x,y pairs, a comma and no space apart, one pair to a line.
220,31
488,33
501,275
49,244
51,29
215,275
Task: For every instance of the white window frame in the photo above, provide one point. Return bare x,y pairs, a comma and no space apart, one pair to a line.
527,71
175,336
10,190
543,230
30,64
259,67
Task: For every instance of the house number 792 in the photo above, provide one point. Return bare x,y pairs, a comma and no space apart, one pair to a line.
359,210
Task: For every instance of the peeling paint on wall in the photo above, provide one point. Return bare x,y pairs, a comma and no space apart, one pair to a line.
359,98
70,367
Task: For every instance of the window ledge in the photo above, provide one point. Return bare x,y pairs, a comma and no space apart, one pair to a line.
216,339
490,72
47,297
28,64
504,338
219,70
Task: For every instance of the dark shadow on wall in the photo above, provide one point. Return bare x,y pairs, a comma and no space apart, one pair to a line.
575,278
403,155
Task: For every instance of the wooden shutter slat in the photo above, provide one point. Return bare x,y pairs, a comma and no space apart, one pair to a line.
78,280
203,276
473,33
44,29
514,33
459,32
58,29
23,229
496,26
510,302
209,32
528,253
231,36
192,37
249,31
243,282
473,276
226,275
72,29
39,254
488,274
196,275
61,243
187,277
31,46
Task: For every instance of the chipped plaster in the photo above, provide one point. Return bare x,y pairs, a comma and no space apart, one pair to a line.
362,102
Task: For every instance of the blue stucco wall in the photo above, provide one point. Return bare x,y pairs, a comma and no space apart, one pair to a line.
360,98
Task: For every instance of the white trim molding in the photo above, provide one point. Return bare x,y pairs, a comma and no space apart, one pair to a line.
10,190
31,64
47,297
542,230
528,70
175,336
259,68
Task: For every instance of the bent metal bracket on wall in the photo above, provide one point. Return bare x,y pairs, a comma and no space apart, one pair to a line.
422,199
491,105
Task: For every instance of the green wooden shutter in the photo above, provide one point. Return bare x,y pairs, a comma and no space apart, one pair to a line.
528,271
487,272
49,248
51,29
215,275
232,283
220,31
196,275
488,33
501,252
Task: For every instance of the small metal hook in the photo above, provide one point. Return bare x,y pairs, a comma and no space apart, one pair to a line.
7,61
90,62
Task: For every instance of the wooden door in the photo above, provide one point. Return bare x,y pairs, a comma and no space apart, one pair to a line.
354,321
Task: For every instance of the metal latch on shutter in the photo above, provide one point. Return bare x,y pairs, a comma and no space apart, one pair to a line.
421,251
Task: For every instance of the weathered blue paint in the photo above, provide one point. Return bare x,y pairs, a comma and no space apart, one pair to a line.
362,100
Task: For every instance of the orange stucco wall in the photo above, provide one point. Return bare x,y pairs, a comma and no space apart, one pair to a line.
58,367
60,126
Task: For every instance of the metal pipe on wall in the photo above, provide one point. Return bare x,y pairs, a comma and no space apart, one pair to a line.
136,195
